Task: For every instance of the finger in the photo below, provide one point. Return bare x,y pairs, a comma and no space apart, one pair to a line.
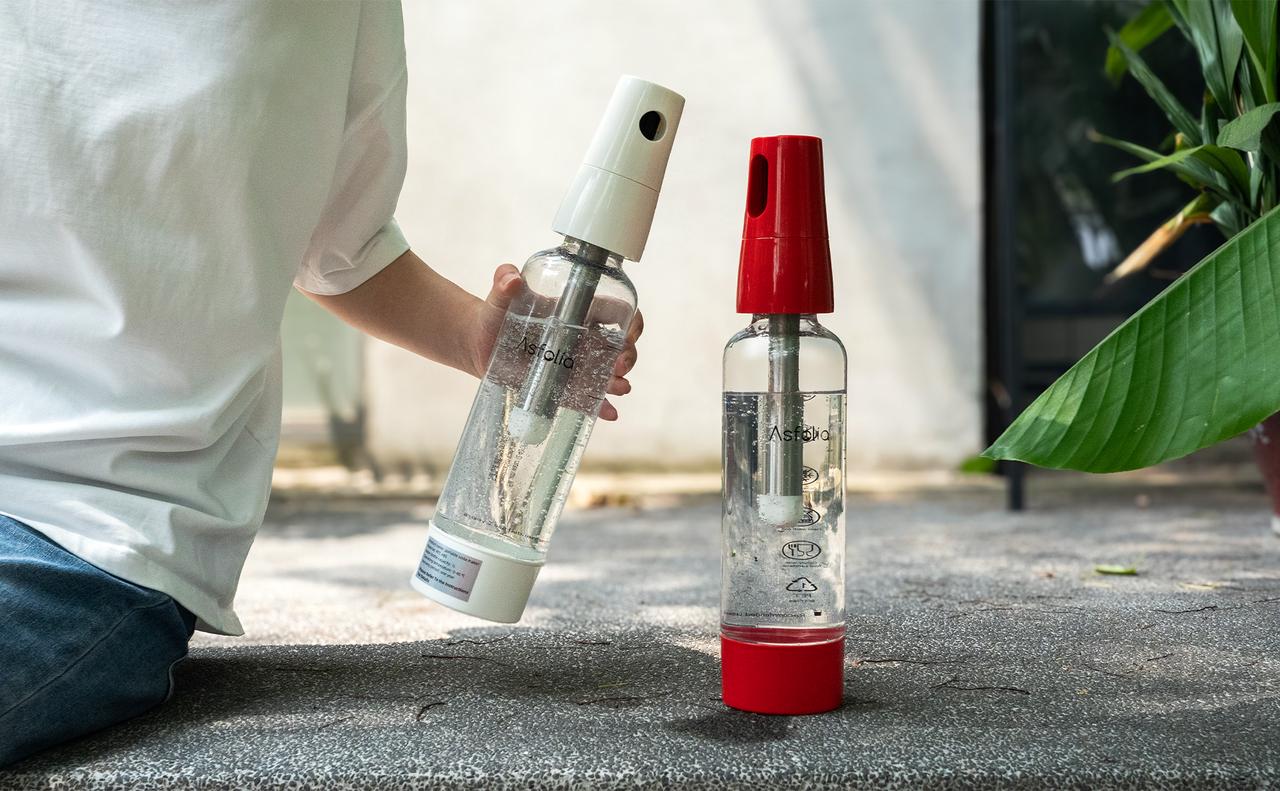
626,361
618,386
607,412
637,327
506,284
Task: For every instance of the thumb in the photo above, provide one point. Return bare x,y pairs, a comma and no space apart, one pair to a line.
506,284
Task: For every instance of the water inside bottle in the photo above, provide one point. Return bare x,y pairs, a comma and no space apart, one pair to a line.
520,449
783,582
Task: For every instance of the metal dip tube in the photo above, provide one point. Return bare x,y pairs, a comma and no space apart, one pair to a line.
783,459
546,380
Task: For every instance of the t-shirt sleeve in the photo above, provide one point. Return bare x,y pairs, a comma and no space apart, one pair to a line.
357,234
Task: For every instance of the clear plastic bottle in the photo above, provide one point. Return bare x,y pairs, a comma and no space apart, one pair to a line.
538,401
782,580
550,367
782,566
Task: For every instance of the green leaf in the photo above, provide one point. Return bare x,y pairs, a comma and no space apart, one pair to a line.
1190,169
1254,132
1218,42
1194,173
1210,119
1141,152
1148,25
1227,217
1177,18
1225,161
1245,132
1200,363
1230,47
1251,93
1257,20
1111,568
977,465
1182,120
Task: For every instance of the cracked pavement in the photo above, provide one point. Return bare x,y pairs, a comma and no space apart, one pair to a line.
983,650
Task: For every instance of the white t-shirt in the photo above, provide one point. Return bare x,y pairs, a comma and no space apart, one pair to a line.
167,172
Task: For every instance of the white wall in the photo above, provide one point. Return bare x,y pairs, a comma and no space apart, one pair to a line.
503,97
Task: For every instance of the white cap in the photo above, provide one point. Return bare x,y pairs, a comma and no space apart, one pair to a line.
471,579
611,201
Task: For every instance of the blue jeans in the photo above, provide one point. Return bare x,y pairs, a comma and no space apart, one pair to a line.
79,648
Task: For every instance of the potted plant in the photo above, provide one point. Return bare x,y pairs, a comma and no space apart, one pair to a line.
1200,362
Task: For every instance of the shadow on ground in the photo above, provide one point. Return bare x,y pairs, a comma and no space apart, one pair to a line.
983,650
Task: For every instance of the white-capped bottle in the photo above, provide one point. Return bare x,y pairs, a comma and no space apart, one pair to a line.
549,370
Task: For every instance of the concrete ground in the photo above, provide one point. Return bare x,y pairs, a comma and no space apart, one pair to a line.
984,650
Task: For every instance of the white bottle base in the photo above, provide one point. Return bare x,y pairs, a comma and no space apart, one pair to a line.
468,578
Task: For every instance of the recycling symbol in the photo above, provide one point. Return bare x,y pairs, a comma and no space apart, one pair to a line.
802,585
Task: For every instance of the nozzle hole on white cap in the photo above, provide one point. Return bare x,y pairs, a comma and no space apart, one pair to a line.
652,125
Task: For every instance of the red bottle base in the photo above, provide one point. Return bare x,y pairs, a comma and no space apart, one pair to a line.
768,678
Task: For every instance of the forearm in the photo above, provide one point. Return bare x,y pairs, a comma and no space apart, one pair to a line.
411,305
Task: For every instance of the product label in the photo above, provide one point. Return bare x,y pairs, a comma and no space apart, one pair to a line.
798,433
448,570
540,350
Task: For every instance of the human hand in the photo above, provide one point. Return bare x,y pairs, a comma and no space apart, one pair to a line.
488,323
489,316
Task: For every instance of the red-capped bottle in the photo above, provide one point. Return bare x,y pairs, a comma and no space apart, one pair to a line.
782,572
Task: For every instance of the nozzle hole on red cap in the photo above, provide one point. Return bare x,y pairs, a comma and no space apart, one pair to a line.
652,125
758,185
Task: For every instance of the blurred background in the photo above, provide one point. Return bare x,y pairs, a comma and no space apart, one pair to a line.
972,220
503,99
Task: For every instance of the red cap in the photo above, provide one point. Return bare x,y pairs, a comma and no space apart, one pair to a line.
786,261
769,678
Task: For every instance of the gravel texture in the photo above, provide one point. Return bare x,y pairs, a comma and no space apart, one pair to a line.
983,650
